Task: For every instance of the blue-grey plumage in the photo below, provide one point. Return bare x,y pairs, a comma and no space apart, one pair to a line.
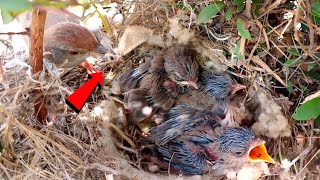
183,119
194,142
212,149
131,79
217,85
214,93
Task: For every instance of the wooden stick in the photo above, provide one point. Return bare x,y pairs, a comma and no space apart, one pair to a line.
36,58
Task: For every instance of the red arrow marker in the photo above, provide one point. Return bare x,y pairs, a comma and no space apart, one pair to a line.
77,99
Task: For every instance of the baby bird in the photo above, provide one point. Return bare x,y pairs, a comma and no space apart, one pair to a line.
206,147
176,64
163,78
181,66
214,92
68,44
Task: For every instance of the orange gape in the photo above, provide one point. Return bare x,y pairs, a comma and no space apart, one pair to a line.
194,142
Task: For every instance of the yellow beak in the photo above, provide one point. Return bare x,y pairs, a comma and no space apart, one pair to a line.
258,152
193,84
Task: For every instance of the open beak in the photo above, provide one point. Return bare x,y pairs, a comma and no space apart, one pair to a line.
192,84
235,87
258,152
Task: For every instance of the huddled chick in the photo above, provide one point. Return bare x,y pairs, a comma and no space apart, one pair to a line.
155,84
202,145
198,132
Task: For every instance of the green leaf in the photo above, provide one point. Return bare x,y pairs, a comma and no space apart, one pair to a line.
229,14
240,8
243,32
308,110
290,86
313,75
316,20
311,66
209,12
256,2
15,5
237,2
294,52
238,53
315,8
55,4
7,17
317,122
292,62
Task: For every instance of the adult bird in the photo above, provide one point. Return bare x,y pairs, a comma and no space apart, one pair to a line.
68,44
202,145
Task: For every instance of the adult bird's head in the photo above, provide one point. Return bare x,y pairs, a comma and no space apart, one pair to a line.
68,44
219,85
241,144
181,66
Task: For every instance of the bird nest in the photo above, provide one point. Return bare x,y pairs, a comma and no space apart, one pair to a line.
100,142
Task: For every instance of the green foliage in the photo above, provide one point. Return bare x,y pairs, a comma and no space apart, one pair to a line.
238,53
317,122
240,8
239,4
7,17
9,8
291,62
243,32
229,14
315,8
294,52
308,110
313,74
15,5
289,86
56,4
209,12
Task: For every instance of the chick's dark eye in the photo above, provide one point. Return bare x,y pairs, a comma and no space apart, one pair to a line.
238,153
177,77
74,52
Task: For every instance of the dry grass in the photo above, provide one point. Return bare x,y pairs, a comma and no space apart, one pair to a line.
83,146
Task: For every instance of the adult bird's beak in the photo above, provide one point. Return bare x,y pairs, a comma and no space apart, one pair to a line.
235,87
102,50
258,152
193,84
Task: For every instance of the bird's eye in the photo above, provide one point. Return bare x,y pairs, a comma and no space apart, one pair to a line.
177,77
74,52
238,153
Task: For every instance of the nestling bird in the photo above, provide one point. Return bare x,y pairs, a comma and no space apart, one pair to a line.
215,91
164,77
68,44
203,146
176,64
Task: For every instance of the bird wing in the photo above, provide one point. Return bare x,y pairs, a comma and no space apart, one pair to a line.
183,157
181,120
131,79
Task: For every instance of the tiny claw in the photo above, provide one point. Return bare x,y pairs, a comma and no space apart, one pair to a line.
90,69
